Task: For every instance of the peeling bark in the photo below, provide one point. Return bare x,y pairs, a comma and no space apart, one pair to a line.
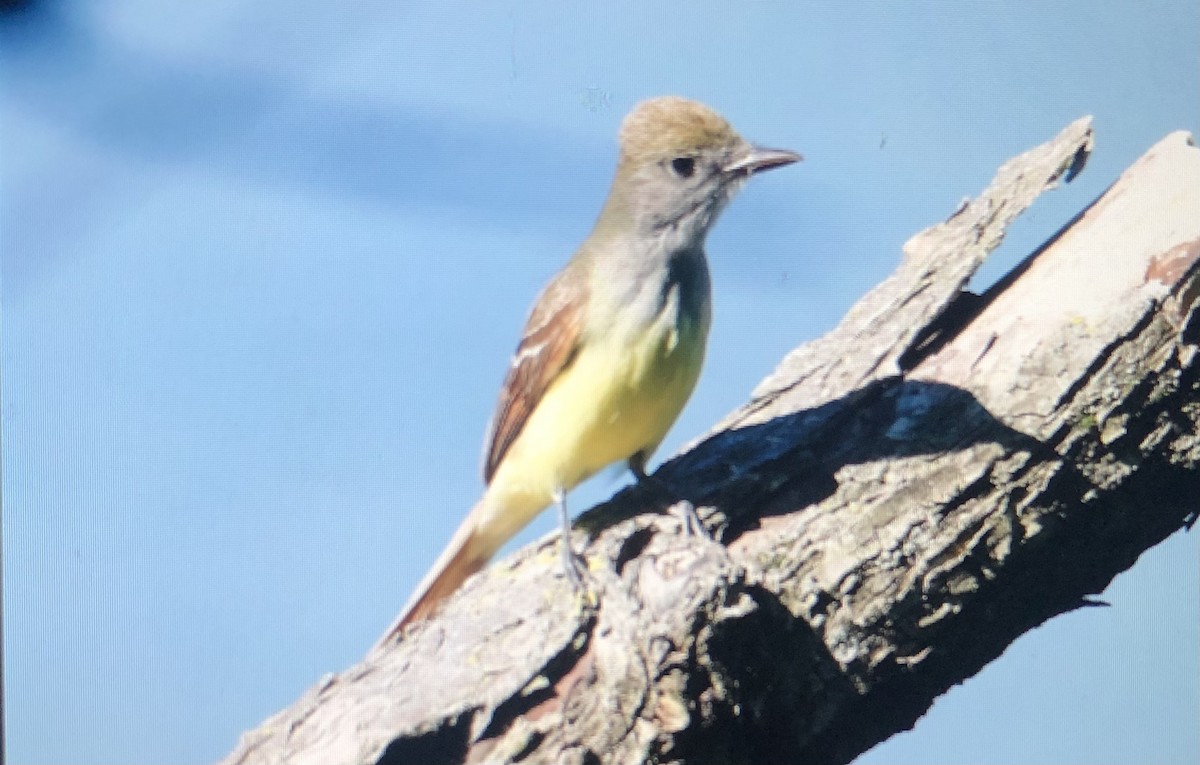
898,502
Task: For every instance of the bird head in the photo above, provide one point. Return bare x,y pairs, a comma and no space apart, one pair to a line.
680,163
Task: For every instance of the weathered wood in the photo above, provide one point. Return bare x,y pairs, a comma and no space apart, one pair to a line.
897,503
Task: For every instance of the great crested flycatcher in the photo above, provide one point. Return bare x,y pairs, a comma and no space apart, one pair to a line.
614,344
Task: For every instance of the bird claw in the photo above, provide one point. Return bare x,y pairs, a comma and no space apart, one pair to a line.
574,565
693,526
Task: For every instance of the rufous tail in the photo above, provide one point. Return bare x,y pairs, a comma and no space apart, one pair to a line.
467,552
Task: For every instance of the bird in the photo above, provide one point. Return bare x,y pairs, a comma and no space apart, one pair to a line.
614,344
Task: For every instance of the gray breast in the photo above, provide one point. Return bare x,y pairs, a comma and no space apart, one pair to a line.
687,276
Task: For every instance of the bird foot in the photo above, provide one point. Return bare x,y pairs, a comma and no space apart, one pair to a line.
693,526
574,565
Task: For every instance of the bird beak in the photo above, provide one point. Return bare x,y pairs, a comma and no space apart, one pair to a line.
755,159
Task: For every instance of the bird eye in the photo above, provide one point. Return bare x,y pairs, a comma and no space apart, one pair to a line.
684,166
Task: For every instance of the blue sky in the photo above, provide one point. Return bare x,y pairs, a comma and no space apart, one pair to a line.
262,266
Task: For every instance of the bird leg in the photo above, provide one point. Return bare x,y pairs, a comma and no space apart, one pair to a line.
692,525
572,563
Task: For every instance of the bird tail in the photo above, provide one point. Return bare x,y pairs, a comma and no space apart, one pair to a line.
468,551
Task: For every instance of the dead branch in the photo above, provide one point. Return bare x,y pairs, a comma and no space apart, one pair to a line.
898,502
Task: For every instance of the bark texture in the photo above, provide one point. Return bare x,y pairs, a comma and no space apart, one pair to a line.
898,502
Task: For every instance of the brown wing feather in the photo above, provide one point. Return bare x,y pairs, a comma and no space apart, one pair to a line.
547,347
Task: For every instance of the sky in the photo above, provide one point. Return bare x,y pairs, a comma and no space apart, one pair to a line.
262,266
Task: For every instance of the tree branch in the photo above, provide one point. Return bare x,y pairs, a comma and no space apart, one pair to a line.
898,502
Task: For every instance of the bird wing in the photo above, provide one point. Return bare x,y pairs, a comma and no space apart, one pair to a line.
548,347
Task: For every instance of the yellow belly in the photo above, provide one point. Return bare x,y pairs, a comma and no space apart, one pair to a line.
616,399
